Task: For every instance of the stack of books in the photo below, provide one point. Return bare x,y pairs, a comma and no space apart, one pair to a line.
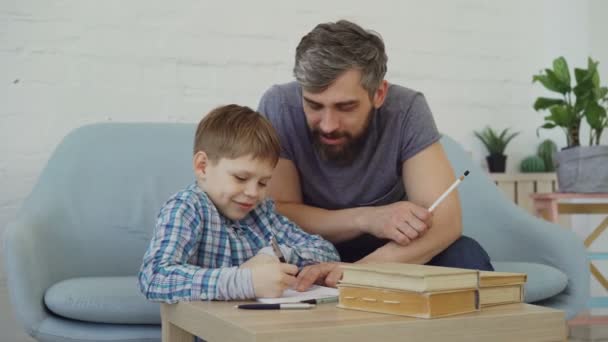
424,291
496,288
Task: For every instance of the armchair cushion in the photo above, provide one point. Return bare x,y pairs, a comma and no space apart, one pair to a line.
102,300
543,281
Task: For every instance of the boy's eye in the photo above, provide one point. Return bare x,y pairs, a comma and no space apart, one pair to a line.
263,184
239,178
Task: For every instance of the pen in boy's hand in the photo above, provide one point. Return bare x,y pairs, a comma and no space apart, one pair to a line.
276,249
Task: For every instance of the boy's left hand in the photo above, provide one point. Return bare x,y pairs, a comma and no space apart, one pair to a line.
260,259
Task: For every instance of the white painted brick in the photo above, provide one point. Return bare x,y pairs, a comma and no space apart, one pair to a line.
83,61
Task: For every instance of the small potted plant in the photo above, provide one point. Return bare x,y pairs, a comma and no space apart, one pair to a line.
579,168
496,143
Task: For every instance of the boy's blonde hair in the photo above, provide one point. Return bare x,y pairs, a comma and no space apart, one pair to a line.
234,131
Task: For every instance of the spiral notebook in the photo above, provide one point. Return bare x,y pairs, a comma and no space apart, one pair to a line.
293,296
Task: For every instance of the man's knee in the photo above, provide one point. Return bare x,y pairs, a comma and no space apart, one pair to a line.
464,253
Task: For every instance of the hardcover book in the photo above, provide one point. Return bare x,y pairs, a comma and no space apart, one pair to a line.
408,303
410,277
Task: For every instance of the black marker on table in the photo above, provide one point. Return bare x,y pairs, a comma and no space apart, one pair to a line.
289,306
320,300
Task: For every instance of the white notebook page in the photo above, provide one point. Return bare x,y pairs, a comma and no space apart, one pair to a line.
292,296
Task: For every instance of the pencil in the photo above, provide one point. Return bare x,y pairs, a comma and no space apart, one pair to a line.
447,192
276,249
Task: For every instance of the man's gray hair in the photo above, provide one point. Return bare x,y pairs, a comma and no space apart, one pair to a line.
331,49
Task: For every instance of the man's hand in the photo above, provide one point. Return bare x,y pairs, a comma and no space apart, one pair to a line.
271,279
402,222
327,274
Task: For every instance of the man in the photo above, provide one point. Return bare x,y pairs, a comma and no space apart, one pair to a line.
361,160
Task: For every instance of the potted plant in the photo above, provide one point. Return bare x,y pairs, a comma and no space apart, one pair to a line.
542,161
496,143
579,168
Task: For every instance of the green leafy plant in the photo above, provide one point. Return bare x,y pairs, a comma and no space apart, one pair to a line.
597,117
495,142
584,100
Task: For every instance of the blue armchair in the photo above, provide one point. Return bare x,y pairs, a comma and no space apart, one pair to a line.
554,258
74,250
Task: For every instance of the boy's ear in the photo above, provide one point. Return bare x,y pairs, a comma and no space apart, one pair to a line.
199,164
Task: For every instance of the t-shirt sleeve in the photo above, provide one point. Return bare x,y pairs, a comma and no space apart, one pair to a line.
419,130
272,106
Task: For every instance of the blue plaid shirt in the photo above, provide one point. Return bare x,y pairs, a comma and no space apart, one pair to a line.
194,248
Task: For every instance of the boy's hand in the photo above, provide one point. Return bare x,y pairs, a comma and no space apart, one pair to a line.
271,279
260,259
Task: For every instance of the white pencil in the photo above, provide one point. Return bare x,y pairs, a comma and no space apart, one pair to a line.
447,192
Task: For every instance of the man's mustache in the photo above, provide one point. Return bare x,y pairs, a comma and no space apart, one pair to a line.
332,135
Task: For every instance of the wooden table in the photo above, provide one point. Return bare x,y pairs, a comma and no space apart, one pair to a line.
220,321
549,206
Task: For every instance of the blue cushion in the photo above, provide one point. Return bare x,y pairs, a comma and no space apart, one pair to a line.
543,281
102,300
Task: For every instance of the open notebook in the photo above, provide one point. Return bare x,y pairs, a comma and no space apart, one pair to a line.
292,296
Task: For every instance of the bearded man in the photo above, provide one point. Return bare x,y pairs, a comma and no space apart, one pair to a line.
361,160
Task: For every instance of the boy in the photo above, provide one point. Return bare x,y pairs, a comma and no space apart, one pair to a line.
210,238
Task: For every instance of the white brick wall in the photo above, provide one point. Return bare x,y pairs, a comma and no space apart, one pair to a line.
67,63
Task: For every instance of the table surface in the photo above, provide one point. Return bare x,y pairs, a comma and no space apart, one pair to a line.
221,321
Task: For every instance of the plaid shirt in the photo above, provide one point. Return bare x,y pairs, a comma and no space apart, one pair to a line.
193,244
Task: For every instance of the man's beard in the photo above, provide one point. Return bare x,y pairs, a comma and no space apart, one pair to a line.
345,153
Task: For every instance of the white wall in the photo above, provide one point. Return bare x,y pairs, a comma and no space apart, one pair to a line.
67,63
598,33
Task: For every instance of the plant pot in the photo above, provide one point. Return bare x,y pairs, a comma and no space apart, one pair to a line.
583,169
496,162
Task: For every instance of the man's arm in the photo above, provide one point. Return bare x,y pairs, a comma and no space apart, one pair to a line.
426,176
401,222
334,225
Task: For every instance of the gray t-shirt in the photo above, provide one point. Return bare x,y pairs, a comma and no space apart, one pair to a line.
400,128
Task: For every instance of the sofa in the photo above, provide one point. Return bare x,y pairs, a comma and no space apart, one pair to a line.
73,252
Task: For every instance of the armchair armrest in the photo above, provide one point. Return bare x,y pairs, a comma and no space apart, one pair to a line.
27,260
516,235
509,233
551,244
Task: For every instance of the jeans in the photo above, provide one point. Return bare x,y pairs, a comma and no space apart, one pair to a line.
463,253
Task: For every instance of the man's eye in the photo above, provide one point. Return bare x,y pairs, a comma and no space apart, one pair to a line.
348,108
315,106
